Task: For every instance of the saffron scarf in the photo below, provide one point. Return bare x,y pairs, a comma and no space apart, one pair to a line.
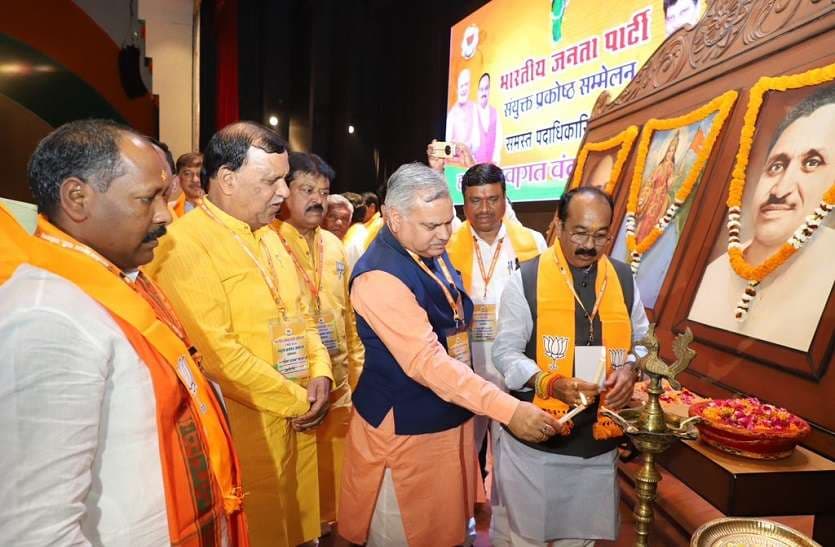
461,247
201,473
555,336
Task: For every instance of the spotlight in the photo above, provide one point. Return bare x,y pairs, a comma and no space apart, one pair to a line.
274,121
350,129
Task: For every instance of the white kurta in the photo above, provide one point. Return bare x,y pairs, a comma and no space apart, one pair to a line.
505,266
543,496
80,460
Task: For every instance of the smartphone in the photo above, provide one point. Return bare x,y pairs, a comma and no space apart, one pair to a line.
443,149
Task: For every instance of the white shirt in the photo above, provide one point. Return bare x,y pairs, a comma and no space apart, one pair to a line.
80,461
516,328
505,266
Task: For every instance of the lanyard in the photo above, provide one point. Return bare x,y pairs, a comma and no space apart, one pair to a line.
453,303
314,285
268,273
142,286
486,278
589,316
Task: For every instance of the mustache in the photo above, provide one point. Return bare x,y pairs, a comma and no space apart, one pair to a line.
775,200
315,207
591,253
155,233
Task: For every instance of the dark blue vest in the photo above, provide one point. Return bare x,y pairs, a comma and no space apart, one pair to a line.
383,385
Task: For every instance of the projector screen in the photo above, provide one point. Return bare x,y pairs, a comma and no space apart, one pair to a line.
524,76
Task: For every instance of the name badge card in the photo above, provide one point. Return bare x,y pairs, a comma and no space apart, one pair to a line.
590,364
484,323
327,332
458,345
290,348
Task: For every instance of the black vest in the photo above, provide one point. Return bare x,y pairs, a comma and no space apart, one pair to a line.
581,443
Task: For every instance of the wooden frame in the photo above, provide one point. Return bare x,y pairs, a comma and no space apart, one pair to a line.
732,47
622,142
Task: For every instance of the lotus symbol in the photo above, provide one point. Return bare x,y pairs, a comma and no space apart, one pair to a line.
555,346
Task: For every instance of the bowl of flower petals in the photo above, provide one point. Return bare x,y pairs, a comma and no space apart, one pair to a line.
749,428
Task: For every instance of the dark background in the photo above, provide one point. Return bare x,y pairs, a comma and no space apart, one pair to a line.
380,65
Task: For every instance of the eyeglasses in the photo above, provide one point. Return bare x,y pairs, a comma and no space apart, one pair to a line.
598,239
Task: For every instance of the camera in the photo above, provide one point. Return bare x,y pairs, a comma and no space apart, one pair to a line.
443,149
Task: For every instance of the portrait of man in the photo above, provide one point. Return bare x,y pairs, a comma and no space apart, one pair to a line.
670,161
461,122
678,13
597,171
488,125
790,169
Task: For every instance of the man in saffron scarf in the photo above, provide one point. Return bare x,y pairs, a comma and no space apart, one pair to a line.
111,433
568,308
236,289
409,474
319,259
486,250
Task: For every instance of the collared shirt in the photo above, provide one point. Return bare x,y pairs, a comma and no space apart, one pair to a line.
505,266
80,463
226,306
349,356
516,328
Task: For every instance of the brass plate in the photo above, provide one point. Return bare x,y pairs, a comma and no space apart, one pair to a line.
743,532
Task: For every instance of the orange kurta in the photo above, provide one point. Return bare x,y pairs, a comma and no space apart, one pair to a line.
434,475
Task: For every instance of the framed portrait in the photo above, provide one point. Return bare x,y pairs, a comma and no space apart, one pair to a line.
599,164
669,164
771,272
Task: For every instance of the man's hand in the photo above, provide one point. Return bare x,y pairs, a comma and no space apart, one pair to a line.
436,163
464,155
619,386
568,390
318,393
533,424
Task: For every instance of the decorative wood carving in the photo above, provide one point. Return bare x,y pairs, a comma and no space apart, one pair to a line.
728,29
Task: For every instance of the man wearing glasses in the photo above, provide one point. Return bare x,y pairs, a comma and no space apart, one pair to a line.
567,324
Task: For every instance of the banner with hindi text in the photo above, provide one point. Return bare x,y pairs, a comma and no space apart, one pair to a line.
524,76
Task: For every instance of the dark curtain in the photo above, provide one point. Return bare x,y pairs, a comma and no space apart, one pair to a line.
227,105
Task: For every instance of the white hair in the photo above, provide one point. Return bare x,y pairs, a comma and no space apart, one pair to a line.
413,181
337,200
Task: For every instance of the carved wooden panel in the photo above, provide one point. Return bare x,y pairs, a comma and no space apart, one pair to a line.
728,29
737,42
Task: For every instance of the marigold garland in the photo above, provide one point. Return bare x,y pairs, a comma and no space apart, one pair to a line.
624,140
755,274
722,105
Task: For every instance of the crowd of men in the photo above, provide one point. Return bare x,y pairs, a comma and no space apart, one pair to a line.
219,351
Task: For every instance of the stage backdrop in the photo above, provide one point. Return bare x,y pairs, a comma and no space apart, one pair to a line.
523,77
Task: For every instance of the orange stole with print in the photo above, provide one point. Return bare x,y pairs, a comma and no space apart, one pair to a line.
201,474
461,247
555,322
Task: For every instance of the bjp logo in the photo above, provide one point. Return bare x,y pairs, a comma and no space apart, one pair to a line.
617,356
555,348
469,42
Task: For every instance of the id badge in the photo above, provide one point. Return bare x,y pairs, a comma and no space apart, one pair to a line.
484,323
326,326
290,348
458,345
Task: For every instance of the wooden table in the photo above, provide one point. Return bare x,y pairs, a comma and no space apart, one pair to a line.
802,484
